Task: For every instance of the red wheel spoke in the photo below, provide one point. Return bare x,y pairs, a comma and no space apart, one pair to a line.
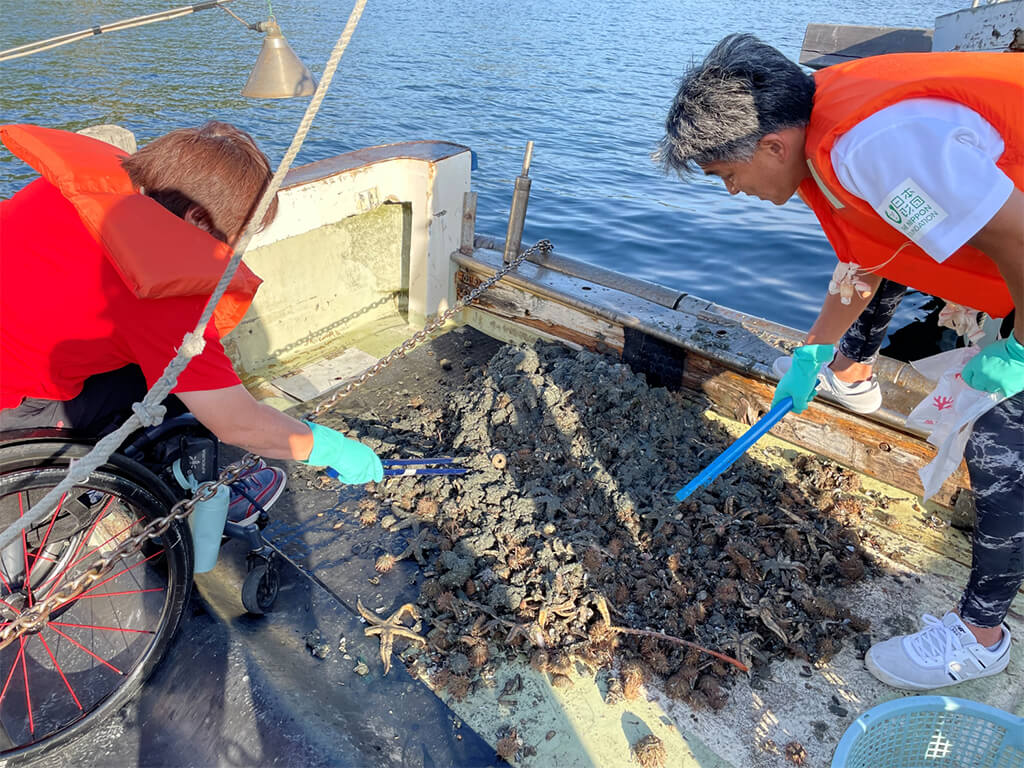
94,587
14,666
28,698
6,584
97,626
85,538
61,673
79,645
85,596
56,581
16,611
42,544
24,548
75,560
103,544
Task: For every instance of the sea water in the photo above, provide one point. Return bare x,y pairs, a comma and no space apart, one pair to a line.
589,82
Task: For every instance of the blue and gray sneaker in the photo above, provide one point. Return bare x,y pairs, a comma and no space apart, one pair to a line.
254,492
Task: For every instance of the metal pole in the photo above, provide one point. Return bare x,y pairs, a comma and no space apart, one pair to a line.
468,222
137,21
517,213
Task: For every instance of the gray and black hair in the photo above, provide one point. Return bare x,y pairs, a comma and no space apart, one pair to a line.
742,91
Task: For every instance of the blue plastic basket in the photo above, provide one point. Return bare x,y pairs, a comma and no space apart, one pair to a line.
932,732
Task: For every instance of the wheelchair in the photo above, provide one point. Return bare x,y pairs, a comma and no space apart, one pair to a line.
98,649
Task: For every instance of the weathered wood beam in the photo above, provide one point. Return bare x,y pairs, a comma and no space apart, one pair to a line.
544,316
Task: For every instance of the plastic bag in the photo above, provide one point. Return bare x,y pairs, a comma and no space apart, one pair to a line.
948,414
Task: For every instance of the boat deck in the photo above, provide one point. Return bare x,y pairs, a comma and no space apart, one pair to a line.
242,690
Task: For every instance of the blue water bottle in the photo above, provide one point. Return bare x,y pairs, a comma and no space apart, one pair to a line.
206,521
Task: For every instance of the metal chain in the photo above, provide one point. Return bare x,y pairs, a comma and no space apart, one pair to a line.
543,246
35,618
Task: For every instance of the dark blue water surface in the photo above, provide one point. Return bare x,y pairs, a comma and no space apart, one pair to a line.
588,82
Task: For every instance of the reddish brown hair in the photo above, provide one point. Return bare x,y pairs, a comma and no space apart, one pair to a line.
216,167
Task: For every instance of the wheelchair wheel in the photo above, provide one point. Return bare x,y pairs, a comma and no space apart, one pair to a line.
260,588
98,649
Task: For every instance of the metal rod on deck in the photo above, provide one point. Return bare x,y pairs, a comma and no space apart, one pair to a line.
517,213
468,223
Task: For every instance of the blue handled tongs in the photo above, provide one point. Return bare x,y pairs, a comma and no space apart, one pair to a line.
408,467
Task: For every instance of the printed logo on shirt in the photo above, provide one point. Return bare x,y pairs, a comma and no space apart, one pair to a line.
911,210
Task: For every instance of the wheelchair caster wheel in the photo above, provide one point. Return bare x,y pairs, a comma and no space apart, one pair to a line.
259,591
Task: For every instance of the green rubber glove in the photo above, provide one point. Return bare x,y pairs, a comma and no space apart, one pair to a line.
354,462
998,368
801,379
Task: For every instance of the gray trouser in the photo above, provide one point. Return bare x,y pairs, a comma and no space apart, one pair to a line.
995,463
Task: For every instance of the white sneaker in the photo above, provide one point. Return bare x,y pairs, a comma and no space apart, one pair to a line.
944,653
862,397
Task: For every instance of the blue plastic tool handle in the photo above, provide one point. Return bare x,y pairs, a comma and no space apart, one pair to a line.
728,457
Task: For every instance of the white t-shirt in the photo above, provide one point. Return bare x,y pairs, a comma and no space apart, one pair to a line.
928,167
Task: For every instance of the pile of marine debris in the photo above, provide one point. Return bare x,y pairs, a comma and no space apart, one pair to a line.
564,542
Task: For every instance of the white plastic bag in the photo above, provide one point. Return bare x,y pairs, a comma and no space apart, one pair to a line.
948,413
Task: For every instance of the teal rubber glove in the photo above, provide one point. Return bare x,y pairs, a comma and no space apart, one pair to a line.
998,368
354,462
801,379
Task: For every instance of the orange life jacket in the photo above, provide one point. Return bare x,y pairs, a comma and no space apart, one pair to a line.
157,254
992,84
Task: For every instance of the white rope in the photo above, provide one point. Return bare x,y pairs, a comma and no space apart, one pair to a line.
191,343
149,416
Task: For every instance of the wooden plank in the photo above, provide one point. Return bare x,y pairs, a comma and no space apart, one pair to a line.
549,318
875,450
827,44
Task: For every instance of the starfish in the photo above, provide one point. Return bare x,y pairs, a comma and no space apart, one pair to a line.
390,628
406,519
742,643
660,517
517,631
415,547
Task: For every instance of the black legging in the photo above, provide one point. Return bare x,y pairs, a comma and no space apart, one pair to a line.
862,342
995,463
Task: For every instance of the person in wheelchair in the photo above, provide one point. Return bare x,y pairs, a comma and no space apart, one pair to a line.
107,261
